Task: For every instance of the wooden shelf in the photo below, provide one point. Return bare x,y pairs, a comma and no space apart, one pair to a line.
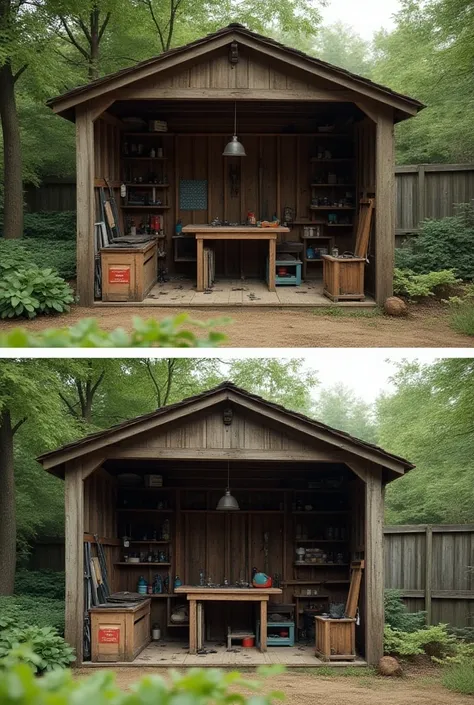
339,225
337,582
156,511
316,238
324,596
320,541
147,543
148,159
145,208
332,208
322,565
303,582
157,595
141,565
240,511
325,513
142,185
335,159
182,624
333,185
312,259
145,134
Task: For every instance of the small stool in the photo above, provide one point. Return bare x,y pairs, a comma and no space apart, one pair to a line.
237,634
278,640
293,279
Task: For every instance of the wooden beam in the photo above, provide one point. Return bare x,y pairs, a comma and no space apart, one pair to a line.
158,93
384,209
91,464
74,558
421,528
374,563
85,206
421,193
100,105
223,454
368,109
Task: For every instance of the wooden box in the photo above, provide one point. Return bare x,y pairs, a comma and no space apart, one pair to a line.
128,273
119,633
343,278
335,639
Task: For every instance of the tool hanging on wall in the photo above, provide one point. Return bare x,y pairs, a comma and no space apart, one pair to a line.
113,208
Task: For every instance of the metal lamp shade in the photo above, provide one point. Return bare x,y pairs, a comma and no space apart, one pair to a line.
227,503
234,148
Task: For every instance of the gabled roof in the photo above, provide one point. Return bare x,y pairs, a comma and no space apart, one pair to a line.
235,32
226,391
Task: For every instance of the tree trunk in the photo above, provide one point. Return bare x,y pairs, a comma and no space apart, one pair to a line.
7,507
13,182
94,45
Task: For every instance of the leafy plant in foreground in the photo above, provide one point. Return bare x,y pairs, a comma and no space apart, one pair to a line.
45,648
418,286
435,641
198,686
29,292
167,333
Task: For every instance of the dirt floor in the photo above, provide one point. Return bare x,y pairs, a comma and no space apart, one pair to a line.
426,326
307,688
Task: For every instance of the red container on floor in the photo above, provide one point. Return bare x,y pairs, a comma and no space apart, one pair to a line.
248,642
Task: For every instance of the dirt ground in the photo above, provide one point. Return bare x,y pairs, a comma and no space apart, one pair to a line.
426,326
303,688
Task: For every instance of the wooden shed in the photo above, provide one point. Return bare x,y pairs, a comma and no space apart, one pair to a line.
299,484
317,138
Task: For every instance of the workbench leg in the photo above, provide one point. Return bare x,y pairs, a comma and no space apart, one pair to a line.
192,626
263,626
200,264
271,264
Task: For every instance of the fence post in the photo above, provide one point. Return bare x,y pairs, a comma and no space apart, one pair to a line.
428,571
421,195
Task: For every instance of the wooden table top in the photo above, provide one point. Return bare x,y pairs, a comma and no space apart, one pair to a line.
196,589
223,229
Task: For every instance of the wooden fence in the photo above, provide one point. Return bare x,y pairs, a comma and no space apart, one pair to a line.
423,191
433,566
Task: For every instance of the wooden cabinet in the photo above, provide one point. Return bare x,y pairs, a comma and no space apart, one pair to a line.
335,639
119,633
128,273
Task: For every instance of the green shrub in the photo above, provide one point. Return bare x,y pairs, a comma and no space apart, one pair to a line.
167,333
29,292
435,641
442,244
40,583
49,254
51,225
462,318
46,649
25,610
460,677
397,615
417,286
198,686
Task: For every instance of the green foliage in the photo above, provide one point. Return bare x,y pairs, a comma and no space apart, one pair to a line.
196,686
442,245
397,616
428,419
42,648
26,610
417,286
460,677
167,333
30,292
40,583
462,318
13,257
339,407
30,253
435,641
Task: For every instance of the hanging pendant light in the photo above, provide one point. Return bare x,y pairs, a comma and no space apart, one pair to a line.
234,148
227,502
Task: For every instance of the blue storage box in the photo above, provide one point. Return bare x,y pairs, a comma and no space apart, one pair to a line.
293,278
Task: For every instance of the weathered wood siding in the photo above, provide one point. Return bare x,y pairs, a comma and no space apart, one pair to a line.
432,566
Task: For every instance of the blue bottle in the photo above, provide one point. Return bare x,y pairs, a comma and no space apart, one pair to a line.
177,582
142,586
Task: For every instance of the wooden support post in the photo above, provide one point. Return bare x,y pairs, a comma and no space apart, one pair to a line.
192,626
421,195
263,626
374,582
384,208
85,205
74,553
271,264
200,264
428,571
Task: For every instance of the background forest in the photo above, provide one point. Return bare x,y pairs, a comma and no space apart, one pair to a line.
427,418
49,46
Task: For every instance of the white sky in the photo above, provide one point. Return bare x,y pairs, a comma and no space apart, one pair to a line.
365,16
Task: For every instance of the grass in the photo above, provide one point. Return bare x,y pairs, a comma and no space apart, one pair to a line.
347,312
460,678
346,672
462,320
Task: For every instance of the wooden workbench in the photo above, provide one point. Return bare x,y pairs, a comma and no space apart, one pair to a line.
197,594
234,232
